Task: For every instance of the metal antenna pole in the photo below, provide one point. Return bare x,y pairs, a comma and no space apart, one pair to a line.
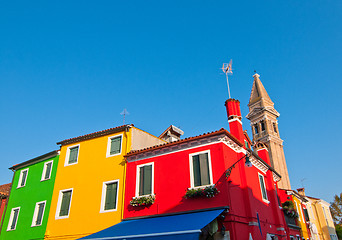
228,84
124,112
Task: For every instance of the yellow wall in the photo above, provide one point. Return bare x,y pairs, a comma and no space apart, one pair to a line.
86,178
324,218
314,221
301,218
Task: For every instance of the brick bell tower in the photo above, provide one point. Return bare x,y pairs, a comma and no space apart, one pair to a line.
263,118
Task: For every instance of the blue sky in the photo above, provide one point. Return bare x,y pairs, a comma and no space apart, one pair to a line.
68,68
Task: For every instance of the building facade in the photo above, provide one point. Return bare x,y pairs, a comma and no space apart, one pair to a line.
89,189
264,123
30,198
4,194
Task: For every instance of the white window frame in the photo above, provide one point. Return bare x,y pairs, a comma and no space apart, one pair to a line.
298,211
103,197
35,214
11,219
67,156
21,176
192,180
262,196
44,171
137,183
109,141
59,203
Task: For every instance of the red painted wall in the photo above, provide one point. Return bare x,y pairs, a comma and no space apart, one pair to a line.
2,207
241,191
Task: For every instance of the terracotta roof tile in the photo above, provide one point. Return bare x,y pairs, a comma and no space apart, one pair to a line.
222,130
95,134
5,189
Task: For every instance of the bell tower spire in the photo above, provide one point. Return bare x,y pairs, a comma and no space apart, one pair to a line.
263,118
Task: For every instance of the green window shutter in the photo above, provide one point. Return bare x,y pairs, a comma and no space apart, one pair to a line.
262,186
73,155
196,171
48,170
115,146
23,178
145,180
204,165
65,204
111,192
41,207
15,218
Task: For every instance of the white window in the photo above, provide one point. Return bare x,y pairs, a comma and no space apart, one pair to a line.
263,188
38,214
12,223
114,145
109,198
200,169
299,210
64,203
145,179
47,171
72,155
22,178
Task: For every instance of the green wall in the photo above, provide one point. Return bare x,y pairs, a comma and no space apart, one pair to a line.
26,198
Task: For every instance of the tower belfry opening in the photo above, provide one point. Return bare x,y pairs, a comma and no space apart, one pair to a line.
263,119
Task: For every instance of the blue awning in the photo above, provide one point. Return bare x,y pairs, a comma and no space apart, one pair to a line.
181,226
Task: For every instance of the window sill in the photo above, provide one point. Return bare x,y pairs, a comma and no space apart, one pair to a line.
45,179
117,154
109,210
202,187
265,201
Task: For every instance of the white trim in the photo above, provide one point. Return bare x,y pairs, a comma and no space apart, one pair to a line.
35,214
297,208
67,156
109,145
44,171
192,169
150,234
59,203
21,176
235,119
138,178
103,196
263,181
11,219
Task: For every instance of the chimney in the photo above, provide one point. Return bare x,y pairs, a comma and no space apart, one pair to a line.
171,134
301,191
234,118
262,150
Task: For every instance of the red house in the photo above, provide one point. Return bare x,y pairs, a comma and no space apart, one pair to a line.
210,186
4,193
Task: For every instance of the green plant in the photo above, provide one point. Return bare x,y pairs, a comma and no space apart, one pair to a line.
142,201
289,210
209,192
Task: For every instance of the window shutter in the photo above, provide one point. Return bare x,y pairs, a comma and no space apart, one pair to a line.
23,179
196,170
147,179
48,170
15,218
41,207
111,191
73,155
141,181
204,165
115,146
65,203
262,186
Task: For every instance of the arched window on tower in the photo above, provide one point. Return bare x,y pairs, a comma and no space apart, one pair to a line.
275,128
262,124
256,129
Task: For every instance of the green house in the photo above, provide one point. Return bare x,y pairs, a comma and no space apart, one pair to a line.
30,198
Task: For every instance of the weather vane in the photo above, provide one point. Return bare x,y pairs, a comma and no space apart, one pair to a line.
227,69
124,113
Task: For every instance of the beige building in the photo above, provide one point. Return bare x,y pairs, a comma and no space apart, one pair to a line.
321,224
263,118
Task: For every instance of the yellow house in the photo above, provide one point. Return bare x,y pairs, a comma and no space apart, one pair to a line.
321,224
88,192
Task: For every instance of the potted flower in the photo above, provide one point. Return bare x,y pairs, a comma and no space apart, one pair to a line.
142,200
289,210
208,192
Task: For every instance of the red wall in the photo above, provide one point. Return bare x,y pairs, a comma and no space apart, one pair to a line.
241,191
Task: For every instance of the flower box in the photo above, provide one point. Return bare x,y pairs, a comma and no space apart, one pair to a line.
142,201
208,191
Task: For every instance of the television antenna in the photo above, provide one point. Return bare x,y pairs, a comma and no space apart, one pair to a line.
124,113
227,69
